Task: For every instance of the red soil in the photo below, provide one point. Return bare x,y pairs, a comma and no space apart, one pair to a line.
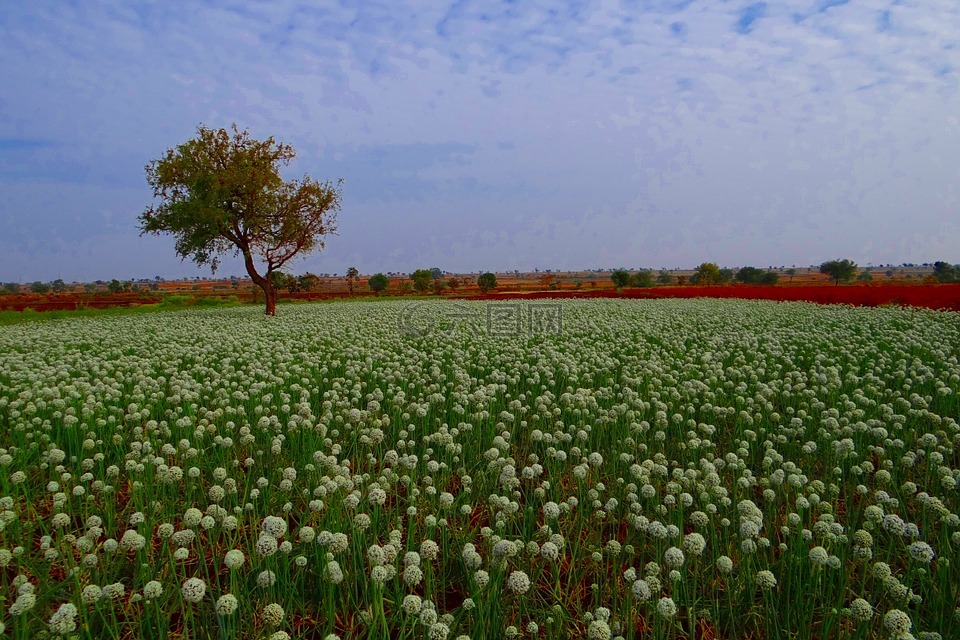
937,296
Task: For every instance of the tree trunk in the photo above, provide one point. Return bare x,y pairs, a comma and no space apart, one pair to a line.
269,292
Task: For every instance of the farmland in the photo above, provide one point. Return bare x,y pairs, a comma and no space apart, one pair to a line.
592,468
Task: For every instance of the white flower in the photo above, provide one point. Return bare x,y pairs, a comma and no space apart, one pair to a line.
861,610
234,559
193,590
64,621
152,590
518,582
667,608
766,579
273,614
897,623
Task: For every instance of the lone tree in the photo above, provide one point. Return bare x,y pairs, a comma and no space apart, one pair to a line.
487,281
708,273
222,192
352,275
378,282
620,278
839,270
421,280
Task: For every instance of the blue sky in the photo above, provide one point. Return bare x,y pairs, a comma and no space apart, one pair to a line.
480,135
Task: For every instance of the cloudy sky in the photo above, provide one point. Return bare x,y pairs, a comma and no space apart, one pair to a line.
497,135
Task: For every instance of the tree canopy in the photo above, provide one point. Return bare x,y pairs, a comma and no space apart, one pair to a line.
839,270
708,273
620,278
222,192
378,282
487,281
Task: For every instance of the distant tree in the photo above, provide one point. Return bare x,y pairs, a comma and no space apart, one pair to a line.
436,273
546,280
453,284
222,192
438,286
749,275
769,278
946,272
889,273
352,275
866,276
839,270
578,284
58,285
487,281
309,282
642,279
115,286
378,283
281,280
89,287
11,287
620,278
39,287
664,277
726,275
681,281
421,280
708,273
791,272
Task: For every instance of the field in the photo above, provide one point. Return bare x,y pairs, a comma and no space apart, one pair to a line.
596,468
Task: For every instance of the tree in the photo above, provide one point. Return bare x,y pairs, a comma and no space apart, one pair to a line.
115,286
309,282
946,272
378,282
487,281
438,286
453,284
708,273
281,280
58,285
839,270
664,277
791,272
866,276
726,275
222,192
769,278
620,278
643,279
749,275
39,287
436,273
421,280
12,287
352,275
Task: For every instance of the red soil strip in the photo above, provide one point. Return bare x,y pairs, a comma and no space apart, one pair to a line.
931,296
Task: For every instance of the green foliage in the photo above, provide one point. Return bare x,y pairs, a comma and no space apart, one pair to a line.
726,275
487,281
378,283
946,272
115,286
58,285
620,278
749,275
453,284
222,193
11,287
865,276
708,273
309,282
769,278
421,280
281,280
643,279
39,287
436,273
839,270
791,272
664,277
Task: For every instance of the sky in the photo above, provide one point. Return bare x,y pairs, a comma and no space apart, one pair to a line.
480,135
